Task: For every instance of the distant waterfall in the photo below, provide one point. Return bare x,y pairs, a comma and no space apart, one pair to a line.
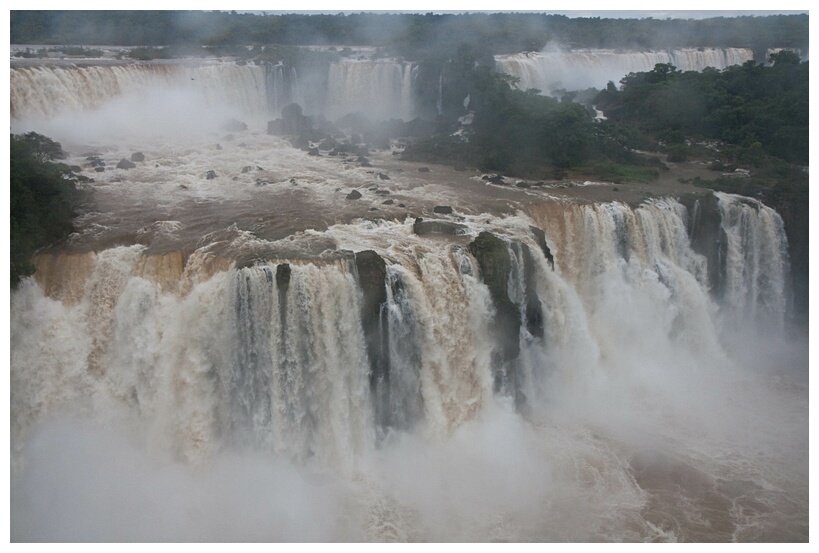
51,90
580,69
381,89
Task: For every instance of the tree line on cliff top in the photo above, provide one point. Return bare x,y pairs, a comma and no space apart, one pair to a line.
412,35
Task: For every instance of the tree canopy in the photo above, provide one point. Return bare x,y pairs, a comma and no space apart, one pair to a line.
42,192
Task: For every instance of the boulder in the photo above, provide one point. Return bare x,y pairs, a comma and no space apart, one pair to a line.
137,156
423,169
247,169
293,121
442,209
383,176
354,195
234,125
313,151
424,227
210,175
275,127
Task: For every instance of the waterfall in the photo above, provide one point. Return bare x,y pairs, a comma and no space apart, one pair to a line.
492,348
381,89
50,90
282,88
580,69
252,357
282,352
756,268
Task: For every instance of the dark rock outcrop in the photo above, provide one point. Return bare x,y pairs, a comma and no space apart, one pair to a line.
372,275
494,263
234,125
534,311
293,120
540,238
707,236
283,277
423,227
354,195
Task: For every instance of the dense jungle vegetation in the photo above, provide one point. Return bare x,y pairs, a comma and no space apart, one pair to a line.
42,196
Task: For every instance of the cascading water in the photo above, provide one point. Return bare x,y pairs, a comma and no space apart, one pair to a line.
225,360
381,89
50,90
581,69
756,262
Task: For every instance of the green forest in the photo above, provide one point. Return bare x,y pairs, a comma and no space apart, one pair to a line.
414,36
758,113
42,196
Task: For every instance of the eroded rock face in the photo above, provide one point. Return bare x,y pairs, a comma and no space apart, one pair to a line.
372,275
494,262
707,236
283,277
540,238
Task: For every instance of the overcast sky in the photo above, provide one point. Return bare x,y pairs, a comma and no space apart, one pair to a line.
696,9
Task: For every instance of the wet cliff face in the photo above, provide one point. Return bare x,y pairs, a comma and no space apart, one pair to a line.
372,280
707,236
